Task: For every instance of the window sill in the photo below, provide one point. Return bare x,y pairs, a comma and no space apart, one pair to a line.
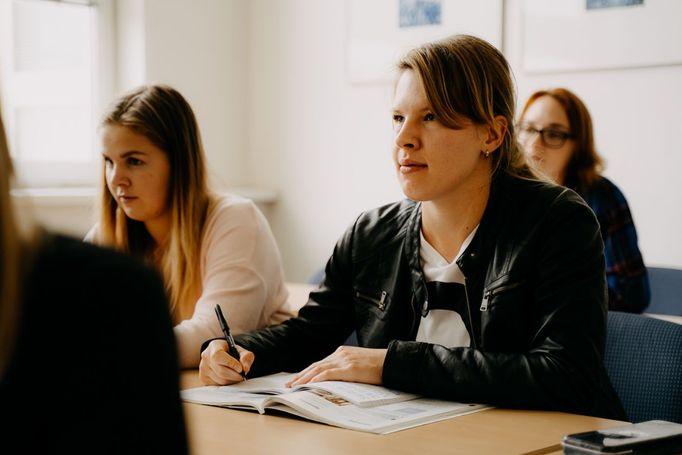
63,197
78,196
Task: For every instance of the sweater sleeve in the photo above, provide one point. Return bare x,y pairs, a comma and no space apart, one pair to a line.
241,271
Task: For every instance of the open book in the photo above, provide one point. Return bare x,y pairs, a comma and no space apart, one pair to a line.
355,406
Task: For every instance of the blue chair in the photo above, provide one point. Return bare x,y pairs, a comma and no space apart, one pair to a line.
666,291
643,358
316,277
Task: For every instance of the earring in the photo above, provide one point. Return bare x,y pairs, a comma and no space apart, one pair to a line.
485,153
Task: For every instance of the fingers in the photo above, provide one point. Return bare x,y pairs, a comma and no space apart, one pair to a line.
217,367
347,363
246,358
322,368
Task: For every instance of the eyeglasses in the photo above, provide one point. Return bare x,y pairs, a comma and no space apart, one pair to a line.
550,137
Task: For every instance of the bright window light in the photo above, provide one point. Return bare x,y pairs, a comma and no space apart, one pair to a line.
53,56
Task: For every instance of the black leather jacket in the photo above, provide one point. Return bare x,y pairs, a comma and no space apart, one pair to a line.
536,295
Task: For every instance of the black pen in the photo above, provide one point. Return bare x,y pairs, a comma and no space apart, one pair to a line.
232,348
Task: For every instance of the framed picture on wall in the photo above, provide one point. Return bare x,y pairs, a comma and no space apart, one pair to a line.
579,35
380,31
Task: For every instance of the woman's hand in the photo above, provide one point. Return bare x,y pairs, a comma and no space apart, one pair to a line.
347,363
217,367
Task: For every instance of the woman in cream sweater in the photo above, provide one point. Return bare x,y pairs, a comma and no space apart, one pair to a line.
156,204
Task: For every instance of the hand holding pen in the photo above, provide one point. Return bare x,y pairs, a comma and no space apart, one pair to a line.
232,347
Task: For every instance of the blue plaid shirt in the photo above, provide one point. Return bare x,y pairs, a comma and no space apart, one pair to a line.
626,274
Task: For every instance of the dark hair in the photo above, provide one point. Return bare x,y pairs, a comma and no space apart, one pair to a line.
585,164
465,77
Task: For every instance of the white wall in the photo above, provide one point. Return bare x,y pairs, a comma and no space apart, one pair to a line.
268,81
636,114
324,143
199,47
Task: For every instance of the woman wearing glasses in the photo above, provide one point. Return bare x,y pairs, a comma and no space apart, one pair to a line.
556,132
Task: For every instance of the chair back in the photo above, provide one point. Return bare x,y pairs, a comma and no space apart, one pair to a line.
643,357
666,291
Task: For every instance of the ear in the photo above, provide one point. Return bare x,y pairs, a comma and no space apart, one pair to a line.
495,133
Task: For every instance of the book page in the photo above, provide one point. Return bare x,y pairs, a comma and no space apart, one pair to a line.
217,396
365,395
272,384
328,408
356,393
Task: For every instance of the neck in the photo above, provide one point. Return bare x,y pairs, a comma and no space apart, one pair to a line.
559,178
447,223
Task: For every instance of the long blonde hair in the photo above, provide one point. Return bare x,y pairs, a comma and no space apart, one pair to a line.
465,77
162,115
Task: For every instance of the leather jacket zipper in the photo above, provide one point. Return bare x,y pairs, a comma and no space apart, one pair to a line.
379,303
471,322
490,292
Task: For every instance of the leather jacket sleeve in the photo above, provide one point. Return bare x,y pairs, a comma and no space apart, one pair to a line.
321,326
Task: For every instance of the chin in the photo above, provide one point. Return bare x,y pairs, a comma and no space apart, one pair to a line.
133,216
414,194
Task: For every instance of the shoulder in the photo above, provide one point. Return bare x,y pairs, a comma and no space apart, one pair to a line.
604,188
384,226
528,204
73,278
605,198
235,222
233,209
537,194
89,267
58,249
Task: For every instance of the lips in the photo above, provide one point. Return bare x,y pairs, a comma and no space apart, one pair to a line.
126,198
408,166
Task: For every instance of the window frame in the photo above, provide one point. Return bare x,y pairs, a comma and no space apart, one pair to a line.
63,174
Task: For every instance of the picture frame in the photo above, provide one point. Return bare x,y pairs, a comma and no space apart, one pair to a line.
584,35
381,31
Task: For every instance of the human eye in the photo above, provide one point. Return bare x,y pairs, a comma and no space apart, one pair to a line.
555,135
429,117
134,161
397,118
107,161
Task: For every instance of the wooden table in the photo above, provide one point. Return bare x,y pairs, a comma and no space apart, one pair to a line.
215,430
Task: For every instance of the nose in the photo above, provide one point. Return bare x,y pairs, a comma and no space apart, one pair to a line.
406,136
117,177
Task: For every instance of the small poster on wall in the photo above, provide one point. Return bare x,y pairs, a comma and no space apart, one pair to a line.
594,4
380,31
415,13
580,35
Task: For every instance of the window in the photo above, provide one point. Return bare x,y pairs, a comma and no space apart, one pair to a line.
55,78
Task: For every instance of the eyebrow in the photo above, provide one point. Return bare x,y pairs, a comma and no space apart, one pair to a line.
551,125
128,153
397,110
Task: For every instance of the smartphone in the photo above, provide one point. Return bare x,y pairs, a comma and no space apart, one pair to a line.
655,437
